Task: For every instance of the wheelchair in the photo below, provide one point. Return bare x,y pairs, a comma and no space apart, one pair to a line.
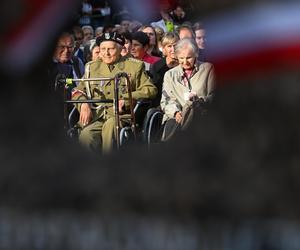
152,126
146,121
138,127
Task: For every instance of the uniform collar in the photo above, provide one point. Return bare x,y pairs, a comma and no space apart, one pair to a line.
111,67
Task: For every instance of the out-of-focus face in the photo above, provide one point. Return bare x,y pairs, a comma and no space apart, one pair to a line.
186,58
159,32
95,53
151,34
185,33
137,50
88,34
98,32
200,38
125,24
109,52
169,50
179,12
64,49
78,39
126,48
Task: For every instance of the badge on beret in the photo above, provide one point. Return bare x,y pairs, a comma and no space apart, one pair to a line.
113,36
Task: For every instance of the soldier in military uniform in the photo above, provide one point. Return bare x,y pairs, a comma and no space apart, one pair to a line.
97,121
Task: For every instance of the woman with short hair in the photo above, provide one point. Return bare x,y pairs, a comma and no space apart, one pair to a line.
188,83
169,61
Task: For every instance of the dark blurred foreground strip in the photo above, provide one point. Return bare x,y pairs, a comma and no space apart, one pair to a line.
68,231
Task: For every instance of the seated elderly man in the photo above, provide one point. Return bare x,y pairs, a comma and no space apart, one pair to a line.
64,63
191,82
98,123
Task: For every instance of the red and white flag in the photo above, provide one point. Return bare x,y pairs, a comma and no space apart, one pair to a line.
257,39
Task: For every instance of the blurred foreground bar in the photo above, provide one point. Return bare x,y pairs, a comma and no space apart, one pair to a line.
134,232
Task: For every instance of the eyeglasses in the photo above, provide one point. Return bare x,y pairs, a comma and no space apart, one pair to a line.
63,47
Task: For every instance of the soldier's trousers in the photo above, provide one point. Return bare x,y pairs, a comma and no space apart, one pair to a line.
97,134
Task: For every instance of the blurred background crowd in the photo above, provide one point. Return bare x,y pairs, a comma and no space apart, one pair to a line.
98,17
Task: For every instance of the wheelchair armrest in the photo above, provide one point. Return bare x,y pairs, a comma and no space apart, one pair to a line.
142,103
140,110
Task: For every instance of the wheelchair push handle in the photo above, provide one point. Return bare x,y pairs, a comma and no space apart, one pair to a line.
90,101
70,81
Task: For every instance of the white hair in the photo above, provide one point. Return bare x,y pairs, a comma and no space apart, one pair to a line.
88,27
186,43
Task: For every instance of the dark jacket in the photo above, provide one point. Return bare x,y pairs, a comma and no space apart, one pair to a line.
157,72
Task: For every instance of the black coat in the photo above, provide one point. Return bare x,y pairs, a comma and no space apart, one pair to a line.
157,72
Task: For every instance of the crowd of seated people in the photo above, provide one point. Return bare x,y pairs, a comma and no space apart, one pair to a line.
166,65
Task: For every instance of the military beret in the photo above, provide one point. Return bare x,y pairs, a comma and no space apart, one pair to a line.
110,36
141,37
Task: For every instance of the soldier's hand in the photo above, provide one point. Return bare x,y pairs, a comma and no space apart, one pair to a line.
121,106
85,114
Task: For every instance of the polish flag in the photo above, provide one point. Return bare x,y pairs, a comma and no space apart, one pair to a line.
260,39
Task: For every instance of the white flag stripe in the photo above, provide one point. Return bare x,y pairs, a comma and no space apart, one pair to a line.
252,29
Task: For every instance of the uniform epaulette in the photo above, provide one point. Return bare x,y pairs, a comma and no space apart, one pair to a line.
132,59
87,66
89,63
92,62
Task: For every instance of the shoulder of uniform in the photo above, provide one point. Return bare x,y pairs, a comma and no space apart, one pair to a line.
92,64
88,63
134,60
